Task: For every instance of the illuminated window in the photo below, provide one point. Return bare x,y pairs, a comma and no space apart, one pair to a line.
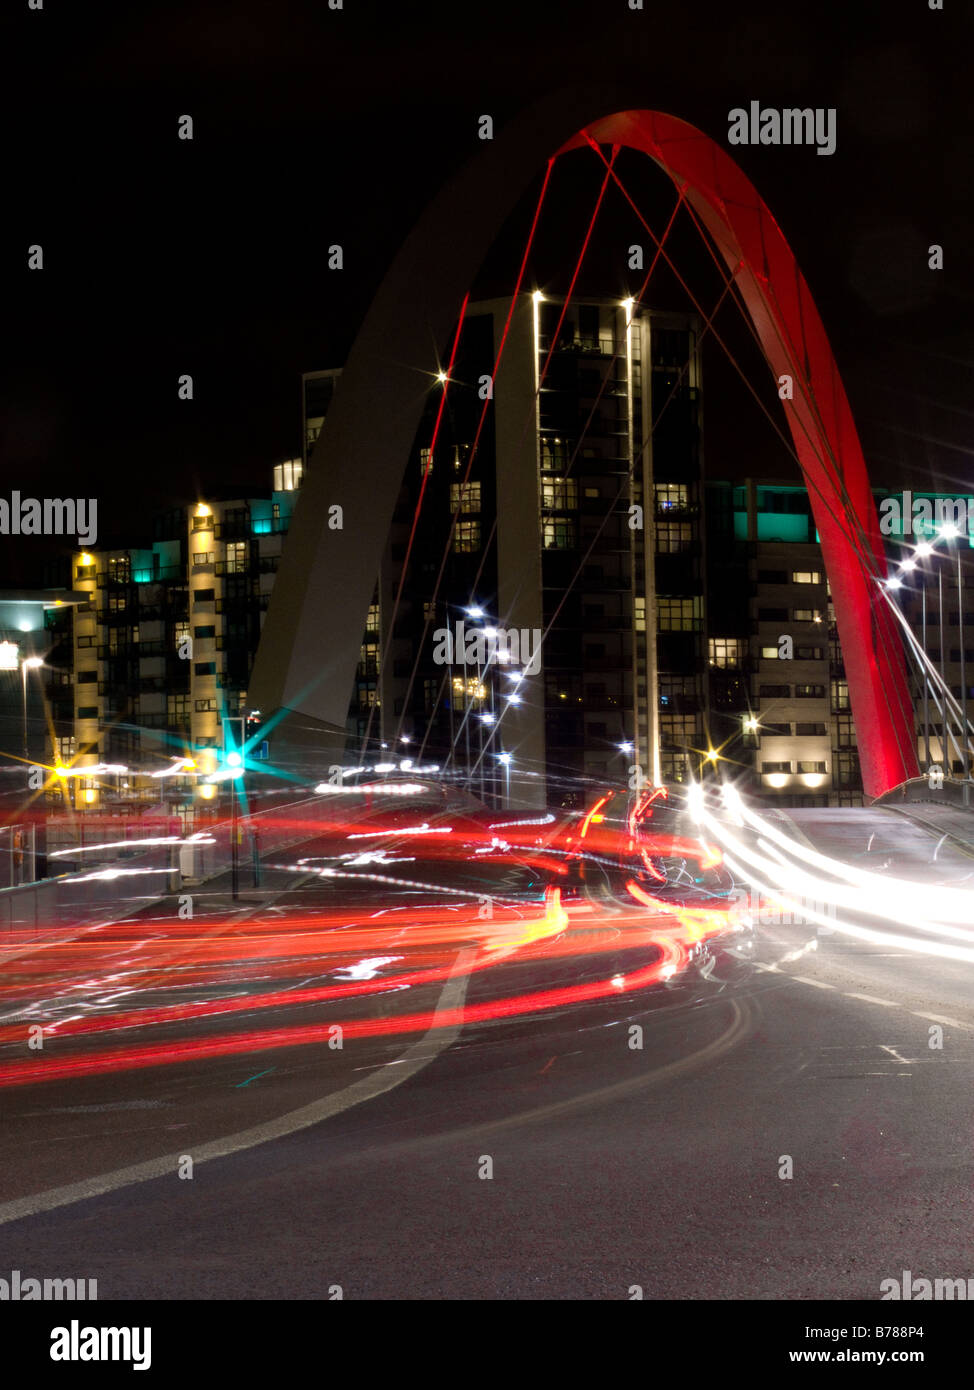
680,614
558,533
180,632
559,494
726,652
372,620
639,614
806,577
287,476
555,454
769,653
369,659
671,498
811,767
808,615
205,706
465,497
201,558
468,690
466,537
840,694
120,569
425,462
237,555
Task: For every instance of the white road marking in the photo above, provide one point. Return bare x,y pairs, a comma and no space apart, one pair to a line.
414,1059
819,984
939,1018
870,999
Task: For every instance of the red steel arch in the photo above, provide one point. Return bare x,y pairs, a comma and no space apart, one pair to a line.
795,344
305,666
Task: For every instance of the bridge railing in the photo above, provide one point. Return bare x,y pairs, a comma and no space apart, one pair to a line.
947,791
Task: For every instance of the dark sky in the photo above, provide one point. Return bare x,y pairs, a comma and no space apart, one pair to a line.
314,126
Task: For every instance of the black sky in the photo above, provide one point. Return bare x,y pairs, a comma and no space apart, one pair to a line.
315,126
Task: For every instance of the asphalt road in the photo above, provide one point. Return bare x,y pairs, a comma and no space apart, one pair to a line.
793,1126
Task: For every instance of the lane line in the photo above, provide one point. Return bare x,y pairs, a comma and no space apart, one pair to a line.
413,1060
939,1018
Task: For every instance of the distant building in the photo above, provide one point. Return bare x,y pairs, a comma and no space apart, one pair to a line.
687,626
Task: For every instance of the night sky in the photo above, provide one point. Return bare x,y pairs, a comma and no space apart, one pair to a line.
315,126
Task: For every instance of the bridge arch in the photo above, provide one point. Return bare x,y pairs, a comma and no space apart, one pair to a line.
309,648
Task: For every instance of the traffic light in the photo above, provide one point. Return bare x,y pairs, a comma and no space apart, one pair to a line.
233,743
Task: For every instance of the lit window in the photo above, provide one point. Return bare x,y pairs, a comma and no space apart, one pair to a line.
466,537
287,476
558,533
465,497
237,553
726,651
671,497
680,614
806,577
808,615
559,494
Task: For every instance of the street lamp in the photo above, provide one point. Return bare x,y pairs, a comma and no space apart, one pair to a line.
949,532
505,760
28,663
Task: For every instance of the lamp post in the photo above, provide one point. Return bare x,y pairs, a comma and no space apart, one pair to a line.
28,663
505,760
951,533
